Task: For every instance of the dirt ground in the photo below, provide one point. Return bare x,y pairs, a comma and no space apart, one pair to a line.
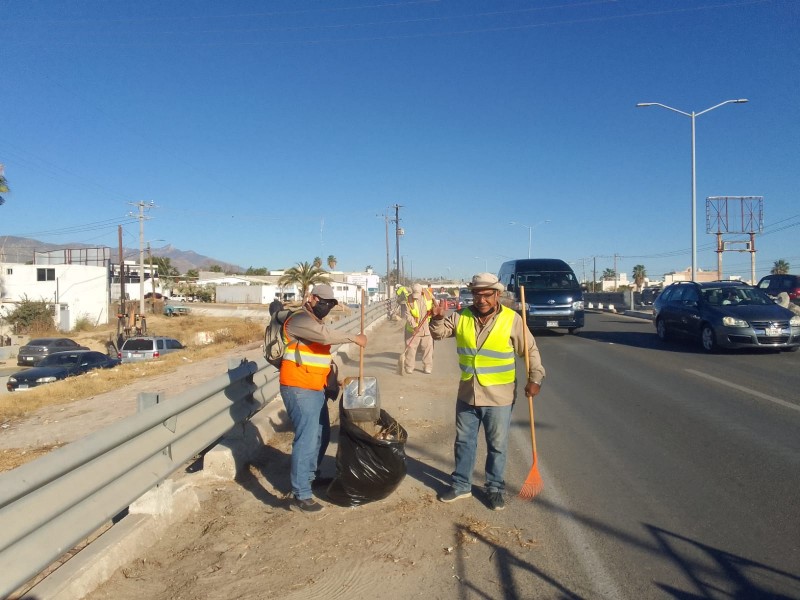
246,541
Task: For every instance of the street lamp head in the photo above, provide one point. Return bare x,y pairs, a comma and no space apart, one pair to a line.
640,104
740,101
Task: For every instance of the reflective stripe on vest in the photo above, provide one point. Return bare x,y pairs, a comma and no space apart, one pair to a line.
304,365
493,363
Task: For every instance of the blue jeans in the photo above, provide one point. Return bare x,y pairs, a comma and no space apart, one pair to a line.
496,421
308,411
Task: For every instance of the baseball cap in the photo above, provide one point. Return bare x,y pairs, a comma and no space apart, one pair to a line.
324,291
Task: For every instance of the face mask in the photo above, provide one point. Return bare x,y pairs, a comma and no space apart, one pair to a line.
321,309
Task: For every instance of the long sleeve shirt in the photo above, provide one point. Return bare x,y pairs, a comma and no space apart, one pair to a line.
305,326
471,391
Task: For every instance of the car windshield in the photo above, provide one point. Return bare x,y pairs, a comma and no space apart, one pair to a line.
60,360
739,296
548,280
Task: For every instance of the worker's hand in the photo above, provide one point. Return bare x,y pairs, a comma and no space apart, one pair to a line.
531,389
361,340
439,309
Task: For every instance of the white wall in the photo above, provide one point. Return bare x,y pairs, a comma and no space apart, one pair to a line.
79,290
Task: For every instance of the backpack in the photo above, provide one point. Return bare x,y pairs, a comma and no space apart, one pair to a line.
274,342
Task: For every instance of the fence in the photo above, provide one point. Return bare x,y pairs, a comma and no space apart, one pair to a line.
51,504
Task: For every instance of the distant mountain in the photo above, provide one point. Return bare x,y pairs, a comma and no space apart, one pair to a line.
22,250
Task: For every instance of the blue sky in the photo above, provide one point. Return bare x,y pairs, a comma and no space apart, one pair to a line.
269,132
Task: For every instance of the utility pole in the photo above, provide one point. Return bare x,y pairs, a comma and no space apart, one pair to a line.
152,281
122,303
386,222
141,206
398,232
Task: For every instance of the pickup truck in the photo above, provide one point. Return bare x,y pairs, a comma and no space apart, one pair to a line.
176,311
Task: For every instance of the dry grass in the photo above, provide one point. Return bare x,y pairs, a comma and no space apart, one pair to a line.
221,335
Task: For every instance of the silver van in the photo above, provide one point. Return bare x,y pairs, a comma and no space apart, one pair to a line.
140,348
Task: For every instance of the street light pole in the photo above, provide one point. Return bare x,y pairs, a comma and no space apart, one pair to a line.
530,231
693,115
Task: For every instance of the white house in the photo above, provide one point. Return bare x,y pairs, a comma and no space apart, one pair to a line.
74,291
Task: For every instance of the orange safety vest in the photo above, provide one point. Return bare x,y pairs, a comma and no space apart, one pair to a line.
305,364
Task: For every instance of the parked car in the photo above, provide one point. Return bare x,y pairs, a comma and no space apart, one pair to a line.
140,348
60,365
775,284
35,350
176,311
464,297
449,301
725,314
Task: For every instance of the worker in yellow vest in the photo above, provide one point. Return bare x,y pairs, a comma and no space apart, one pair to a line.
403,295
418,334
488,336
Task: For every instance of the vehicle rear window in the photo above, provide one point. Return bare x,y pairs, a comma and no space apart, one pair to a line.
138,345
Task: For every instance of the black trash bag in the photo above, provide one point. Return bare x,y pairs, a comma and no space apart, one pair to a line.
368,468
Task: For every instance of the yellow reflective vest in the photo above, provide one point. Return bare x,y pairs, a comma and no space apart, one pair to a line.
427,294
492,363
413,310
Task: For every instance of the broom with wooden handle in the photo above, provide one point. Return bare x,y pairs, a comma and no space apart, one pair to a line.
533,484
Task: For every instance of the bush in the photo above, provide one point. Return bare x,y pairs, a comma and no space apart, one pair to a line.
83,323
30,316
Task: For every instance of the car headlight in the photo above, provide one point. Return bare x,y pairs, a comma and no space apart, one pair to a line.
734,322
795,321
577,305
12,379
46,379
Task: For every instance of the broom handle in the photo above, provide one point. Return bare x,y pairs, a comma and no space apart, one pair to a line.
361,349
527,363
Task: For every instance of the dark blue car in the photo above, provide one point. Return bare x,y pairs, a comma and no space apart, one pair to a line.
60,366
725,314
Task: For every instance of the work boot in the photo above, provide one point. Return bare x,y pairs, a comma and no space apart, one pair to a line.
307,505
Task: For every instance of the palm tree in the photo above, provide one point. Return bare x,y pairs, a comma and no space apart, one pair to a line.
166,272
609,274
3,185
639,275
304,275
780,267
332,262
318,262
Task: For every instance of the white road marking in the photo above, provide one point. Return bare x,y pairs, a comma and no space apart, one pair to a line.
746,390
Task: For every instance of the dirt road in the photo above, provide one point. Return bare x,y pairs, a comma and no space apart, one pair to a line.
245,542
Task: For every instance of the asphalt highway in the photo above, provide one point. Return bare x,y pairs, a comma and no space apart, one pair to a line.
669,472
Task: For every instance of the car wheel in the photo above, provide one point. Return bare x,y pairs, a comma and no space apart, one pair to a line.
708,339
792,349
661,330
573,330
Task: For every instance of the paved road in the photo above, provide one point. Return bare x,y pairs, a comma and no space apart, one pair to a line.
668,474
673,473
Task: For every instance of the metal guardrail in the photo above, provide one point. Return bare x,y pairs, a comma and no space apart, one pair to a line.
51,504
